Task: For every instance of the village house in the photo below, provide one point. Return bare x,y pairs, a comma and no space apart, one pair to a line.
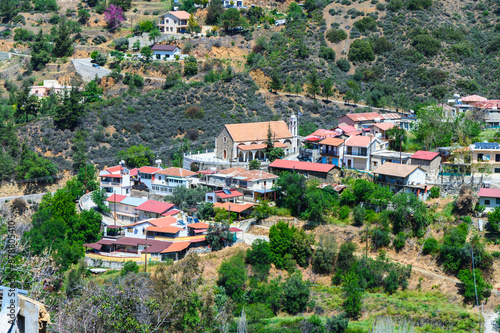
155,209
47,88
174,22
483,157
379,157
379,130
147,175
139,229
255,183
164,181
323,172
116,180
123,207
402,178
489,197
358,150
429,161
332,151
241,209
232,3
166,52
365,120
225,195
247,141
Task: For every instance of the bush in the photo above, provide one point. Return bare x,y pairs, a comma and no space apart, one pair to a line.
23,35
494,220
366,23
336,35
337,324
361,50
192,134
394,5
295,294
399,241
343,64
19,205
426,44
431,246
382,45
327,53
344,212
121,44
380,7
129,266
435,192
232,276
380,238
260,257
194,112
359,214
419,4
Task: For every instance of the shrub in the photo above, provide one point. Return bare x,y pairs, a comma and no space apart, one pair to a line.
494,220
359,214
380,7
431,246
327,53
361,50
194,112
394,5
233,275
192,134
121,44
419,4
343,64
426,44
344,212
382,45
19,205
336,35
366,23
399,241
295,294
23,35
380,238
435,192
129,266
337,324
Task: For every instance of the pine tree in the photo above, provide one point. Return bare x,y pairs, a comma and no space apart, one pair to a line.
353,295
275,83
313,87
327,88
68,114
63,44
40,52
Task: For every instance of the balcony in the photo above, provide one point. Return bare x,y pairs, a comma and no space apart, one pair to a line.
334,153
356,154
104,183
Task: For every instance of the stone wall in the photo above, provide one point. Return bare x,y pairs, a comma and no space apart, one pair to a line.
221,145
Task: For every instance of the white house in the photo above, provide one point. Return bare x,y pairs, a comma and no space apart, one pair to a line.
225,195
146,174
174,22
166,52
402,178
358,149
166,180
124,207
489,197
164,227
116,180
233,3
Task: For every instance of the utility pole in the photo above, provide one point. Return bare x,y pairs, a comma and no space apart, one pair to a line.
146,254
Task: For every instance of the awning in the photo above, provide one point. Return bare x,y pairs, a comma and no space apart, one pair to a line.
197,240
234,229
264,191
94,246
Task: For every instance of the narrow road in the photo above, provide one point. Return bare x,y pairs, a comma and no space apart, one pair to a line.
250,238
490,322
85,69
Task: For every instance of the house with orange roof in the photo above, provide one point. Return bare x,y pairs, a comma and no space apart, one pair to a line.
358,150
147,175
379,130
247,141
220,178
332,151
165,181
366,119
116,180
166,224
429,161
255,184
174,22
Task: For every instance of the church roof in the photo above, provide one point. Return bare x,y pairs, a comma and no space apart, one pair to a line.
258,131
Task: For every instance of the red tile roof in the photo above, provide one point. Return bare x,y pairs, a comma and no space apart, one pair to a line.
487,104
148,169
474,98
257,175
384,126
134,172
176,172
199,225
332,142
95,246
180,14
169,229
359,141
197,240
233,207
346,128
171,212
116,198
163,221
489,193
233,194
234,229
261,146
258,131
303,166
424,155
232,171
155,206
111,175
114,169
176,247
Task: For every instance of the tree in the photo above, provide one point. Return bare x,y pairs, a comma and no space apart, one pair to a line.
190,66
83,16
494,220
419,4
323,258
146,53
192,23
466,201
92,92
26,104
313,87
409,213
9,9
472,284
40,52
99,57
153,34
297,88
63,44
99,197
129,267
136,46
327,53
218,236
281,242
382,45
187,198
275,83
124,4
360,51
291,190
337,324
398,138
214,14
432,129
79,149
295,294
254,165
231,19
353,295
335,35
359,214
70,111
344,65
114,17
260,257
137,156
327,88
302,50
288,88
426,44
233,276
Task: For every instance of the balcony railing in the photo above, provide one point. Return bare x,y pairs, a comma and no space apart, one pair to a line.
110,183
357,154
330,153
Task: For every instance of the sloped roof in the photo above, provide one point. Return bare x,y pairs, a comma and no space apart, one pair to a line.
384,126
346,128
395,169
198,225
489,104
171,212
233,194
168,229
257,175
332,142
158,47
176,247
176,172
261,146
116,198
111,175
258,131
303,166
425,155
180,14
114,169
134,202
474,98
148,169
232,171
163,221
154,206
234,207
134,172
489,193
359,141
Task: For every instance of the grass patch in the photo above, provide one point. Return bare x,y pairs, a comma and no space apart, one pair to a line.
487,135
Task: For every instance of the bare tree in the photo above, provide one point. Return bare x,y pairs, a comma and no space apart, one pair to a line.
387,325
242,322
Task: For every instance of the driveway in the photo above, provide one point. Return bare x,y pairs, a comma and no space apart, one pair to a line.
85,69
250,238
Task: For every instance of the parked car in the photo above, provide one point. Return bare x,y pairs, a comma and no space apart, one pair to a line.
95,65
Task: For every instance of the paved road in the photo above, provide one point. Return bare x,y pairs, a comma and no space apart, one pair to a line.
250,238
489,322
37,197
85,69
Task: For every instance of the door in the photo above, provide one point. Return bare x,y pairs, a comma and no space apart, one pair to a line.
349,162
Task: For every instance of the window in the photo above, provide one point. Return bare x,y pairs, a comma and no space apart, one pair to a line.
479,157
497,170
498,201
225,139
158,56
363,152
497,157
349,150
487,202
